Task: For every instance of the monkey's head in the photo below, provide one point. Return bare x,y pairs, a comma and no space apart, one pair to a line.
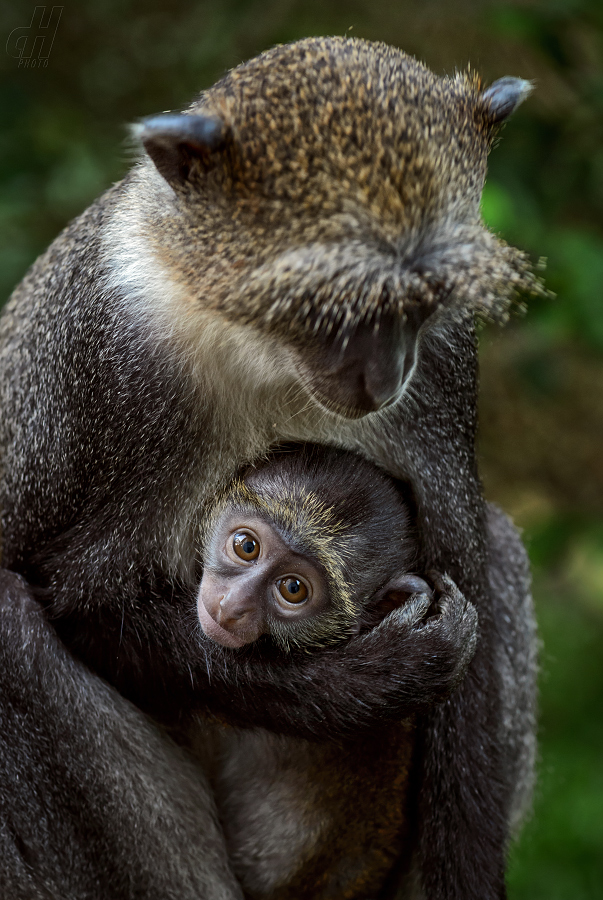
327,193
300,547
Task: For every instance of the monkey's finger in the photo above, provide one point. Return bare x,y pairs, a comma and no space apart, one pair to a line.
441,582
453,610
449,600
411,613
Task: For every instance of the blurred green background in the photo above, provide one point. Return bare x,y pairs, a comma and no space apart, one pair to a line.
62,141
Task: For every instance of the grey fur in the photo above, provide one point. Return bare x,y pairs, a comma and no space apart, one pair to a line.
100,800
152,351
517,659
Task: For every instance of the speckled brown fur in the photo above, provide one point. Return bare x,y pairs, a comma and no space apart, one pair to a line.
360,158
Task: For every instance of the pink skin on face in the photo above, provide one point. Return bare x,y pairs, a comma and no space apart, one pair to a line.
232,609
215,631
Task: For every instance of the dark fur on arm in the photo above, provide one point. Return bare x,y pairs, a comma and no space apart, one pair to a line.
403,666
165,664
95,801
462,752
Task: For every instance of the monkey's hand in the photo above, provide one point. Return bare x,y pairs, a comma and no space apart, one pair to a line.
418,654
414,658
443,630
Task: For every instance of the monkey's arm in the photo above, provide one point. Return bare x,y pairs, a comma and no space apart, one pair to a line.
404,665
479,746
466,783
95,801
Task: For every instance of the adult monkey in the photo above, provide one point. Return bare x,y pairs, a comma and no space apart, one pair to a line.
300,259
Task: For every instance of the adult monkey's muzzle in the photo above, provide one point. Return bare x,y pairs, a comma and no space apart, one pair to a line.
366,370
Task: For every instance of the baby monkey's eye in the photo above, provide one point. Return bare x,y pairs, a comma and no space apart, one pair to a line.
292,589
245,546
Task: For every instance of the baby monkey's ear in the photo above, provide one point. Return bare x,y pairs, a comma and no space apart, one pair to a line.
503,97
398,590
401,587
174,141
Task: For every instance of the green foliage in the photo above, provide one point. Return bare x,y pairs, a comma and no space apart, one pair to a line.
575,264
560,854
546,189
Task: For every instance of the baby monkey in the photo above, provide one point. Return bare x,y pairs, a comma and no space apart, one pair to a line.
307,548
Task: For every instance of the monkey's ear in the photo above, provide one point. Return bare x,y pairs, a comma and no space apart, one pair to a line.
397,591
174,140
504,96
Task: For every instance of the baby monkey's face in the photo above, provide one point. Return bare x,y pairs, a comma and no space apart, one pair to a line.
253,579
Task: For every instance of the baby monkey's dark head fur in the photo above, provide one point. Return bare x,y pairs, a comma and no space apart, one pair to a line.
307,548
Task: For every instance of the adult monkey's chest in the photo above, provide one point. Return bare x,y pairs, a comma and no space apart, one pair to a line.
305,820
